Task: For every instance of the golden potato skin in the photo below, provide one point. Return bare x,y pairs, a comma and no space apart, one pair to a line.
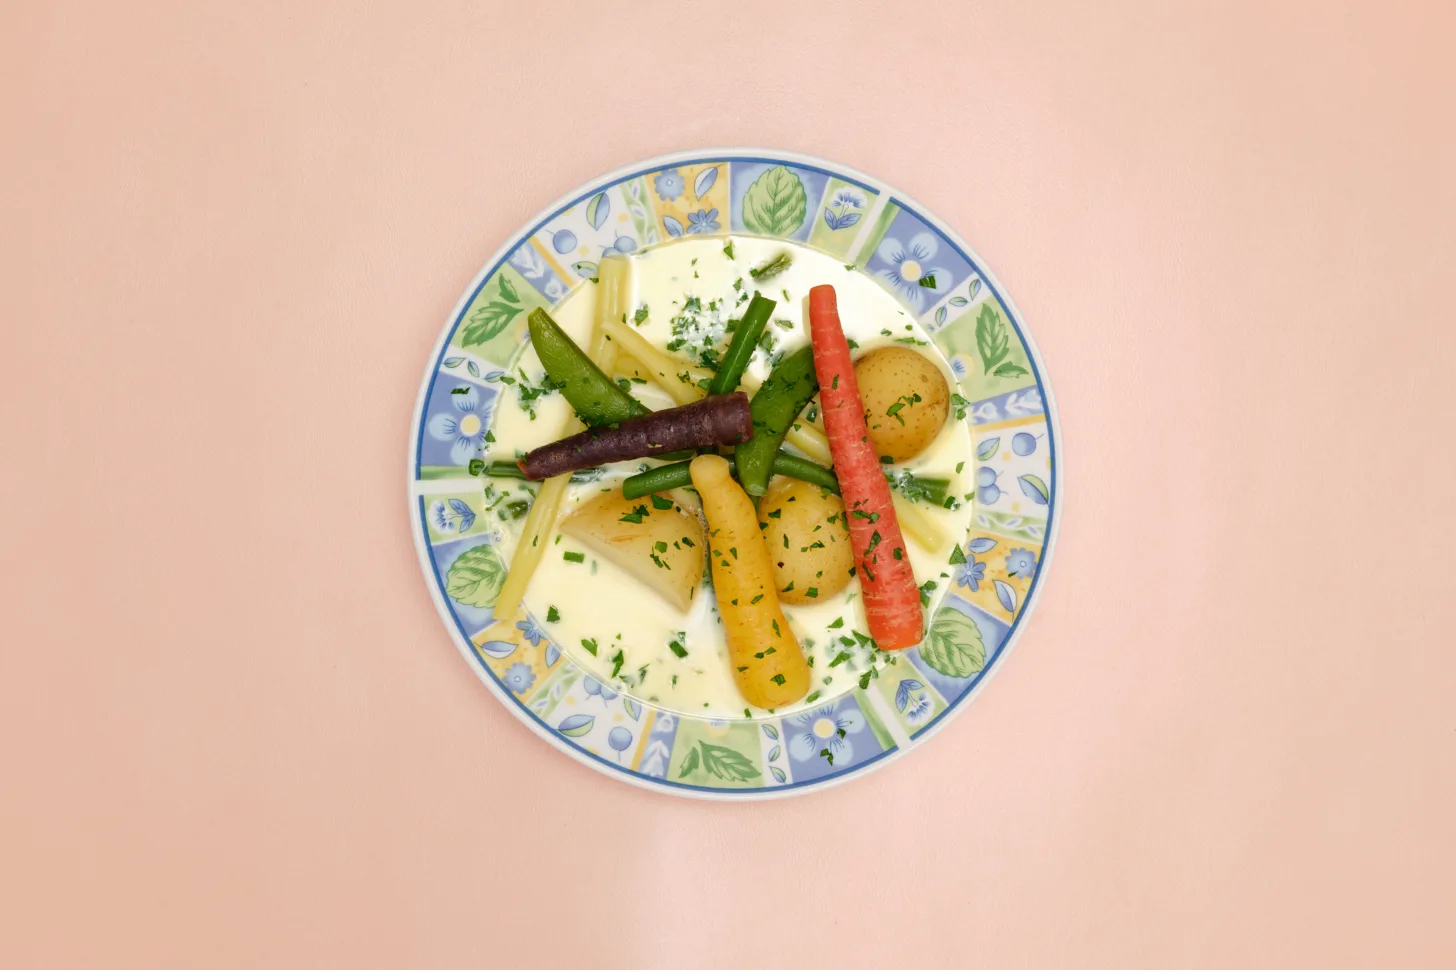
803,515
894,375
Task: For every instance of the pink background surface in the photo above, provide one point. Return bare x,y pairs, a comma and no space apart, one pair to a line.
234,733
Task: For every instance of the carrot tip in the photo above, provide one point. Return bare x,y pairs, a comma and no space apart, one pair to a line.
823,299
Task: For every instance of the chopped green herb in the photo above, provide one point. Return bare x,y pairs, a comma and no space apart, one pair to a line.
776,513
812,592
660,503
812,698
618,659
839,622
574,556
771,268
840,657
553,615
728,249
755,599
778,679
590,646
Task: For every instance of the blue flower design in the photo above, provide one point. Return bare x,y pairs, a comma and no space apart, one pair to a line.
823,729
519,677
970,573
669,184
465,428
841,214
530,631
1020,562
958,366
452,516
911,273
702,221
594,686
918,712
440,515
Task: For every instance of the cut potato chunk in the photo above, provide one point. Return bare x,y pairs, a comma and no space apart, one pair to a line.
662,547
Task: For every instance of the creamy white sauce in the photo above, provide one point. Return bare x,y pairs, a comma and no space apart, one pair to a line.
597,600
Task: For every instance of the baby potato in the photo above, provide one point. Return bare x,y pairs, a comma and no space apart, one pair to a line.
906,400
811,554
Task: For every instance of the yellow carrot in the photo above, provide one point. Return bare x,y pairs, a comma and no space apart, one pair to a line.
768,664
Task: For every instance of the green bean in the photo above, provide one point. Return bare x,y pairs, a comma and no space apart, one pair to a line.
666,477
774,407
509,469
594,396
741,347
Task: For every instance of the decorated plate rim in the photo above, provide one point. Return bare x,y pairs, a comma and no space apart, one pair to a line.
435,582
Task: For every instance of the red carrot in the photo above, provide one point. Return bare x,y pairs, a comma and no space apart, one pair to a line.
891,598
719,419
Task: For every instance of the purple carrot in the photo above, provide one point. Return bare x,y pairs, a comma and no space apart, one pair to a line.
720,419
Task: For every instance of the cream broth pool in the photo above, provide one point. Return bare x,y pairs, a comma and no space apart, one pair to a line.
611,623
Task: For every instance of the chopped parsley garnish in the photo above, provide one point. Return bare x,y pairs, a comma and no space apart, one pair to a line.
839,622
778,679
960,404
618,659
840,657
678,644
728,249
756,599
957,556
574,556
590,646
660,503
553,615
771,268
640,315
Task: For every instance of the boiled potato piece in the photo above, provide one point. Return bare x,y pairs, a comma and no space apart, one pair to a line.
906,400
662,547
807,538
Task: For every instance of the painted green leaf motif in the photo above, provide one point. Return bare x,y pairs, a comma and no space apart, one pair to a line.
991,340
775,204
475,577
954,645
597,210
576,725
1009,369
987,448
726,763
488,321
690,764
508,292
1035,489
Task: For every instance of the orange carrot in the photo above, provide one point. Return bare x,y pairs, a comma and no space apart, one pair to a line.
891,598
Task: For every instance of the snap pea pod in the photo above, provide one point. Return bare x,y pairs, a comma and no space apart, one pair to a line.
667,477
741,347
594,396
774,407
